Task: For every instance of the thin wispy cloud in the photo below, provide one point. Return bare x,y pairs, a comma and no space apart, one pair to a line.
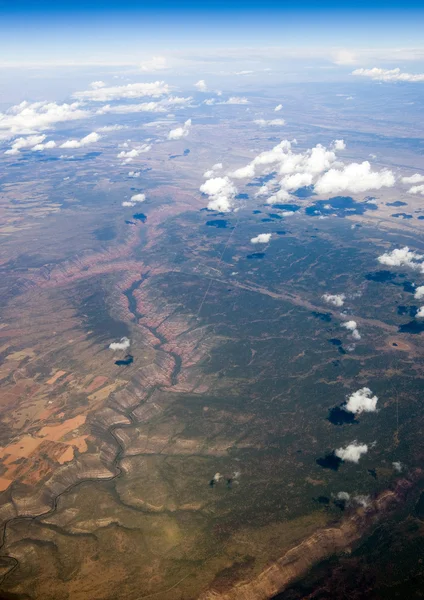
378,74
128,91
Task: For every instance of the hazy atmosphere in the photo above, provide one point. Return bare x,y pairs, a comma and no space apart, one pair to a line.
212,300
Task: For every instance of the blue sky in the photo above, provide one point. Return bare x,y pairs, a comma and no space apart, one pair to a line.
113,30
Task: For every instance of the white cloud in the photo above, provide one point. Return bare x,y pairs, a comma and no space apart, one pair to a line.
270,122
362,500
157,63
278,108
91,138
134,174
416,178
419,292
262,238
107,128
354,178
221,192
397,465
180,132
129,155
235,100
296,181
244,172
138,198
47,146
160,106
335,299
25,142
420,313
402,257
96,85
343,496
123,344
282,157
352,327
361,401
28,118
416,189
279,196
352,452
378,74
128,203
339,145
211,172
201,85
244,72
129,91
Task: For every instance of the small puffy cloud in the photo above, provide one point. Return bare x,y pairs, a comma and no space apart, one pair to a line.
349,325
157,63
278,108
123,344
129,91
262,238
420,313
401,257
343,496
352,452
180,132
47,146
129,155
128,203
416,189
278,197
352,327
25,142
334,299
96,85
134,174
270,122
354,178
419,292
339,145
362,500
201,85
221,192
361,401
28,118
416,178
91,138
378,74
138,198
397,465
210,173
